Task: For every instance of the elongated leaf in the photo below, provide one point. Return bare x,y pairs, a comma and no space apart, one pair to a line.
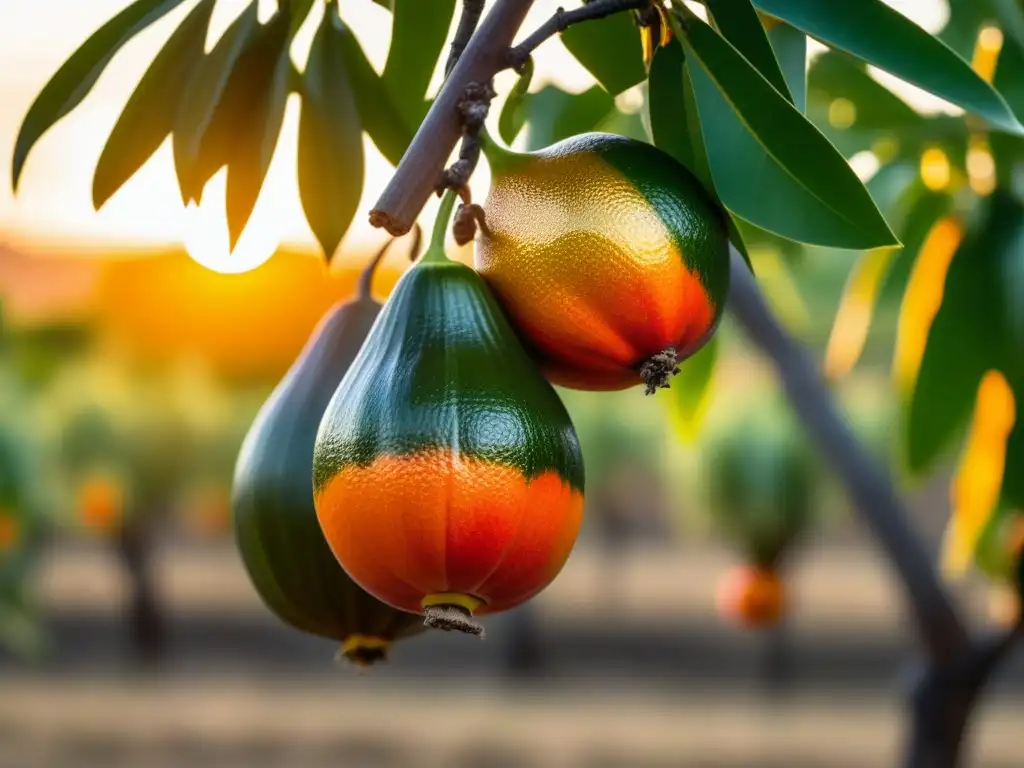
871,30
610,49
418,32
268,66
701,164
1008,150
554,114
666,104
387,126
790,46
204,123
148,117
1013,479
740,25
966,338
298,10
757,141
76,77
330,138
691,389
513,111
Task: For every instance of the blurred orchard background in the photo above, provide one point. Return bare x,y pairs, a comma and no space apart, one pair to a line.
132,363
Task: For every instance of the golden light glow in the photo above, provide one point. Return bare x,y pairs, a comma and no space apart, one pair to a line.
981,167
842,113
9,531
979,477
923,298
986,52
853,319
205,230
935,170
885,149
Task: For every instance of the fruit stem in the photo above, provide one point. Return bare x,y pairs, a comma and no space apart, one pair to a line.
452,617
658,369
435,253
499,158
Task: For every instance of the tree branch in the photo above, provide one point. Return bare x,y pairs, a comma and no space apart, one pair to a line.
868,485
472,10
420,170
944,697
562,19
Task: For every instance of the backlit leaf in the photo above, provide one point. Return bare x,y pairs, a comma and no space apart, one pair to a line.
204,125
554,114
76,76
330,138
756,141
691,391
380,117
610,49
268,67
418,32
740,25
790,46
149,115
876,33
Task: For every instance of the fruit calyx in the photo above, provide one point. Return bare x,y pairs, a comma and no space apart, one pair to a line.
658,370
364,650
452,612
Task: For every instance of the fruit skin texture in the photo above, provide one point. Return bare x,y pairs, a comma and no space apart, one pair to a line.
752,596
446,470
604,251
275,523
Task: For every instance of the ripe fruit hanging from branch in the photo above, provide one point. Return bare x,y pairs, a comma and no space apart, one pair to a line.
609,257
448,476
762,496
275,522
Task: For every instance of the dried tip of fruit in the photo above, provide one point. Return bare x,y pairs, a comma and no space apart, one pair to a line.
658,370
452,617
382,220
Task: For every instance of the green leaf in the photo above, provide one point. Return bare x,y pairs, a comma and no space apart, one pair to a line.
1011,19
666,104
757,141
76,76
418,32
871,30
330,138
298,10
513,111
554,114
610,49
965,20
1013,479
701,165
790,46
204,124
267,65
148,117
739,23
380,117
1007,150
690,391
967,336
923,208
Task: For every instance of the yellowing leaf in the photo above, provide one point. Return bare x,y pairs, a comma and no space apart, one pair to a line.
856,308
923,298
979,476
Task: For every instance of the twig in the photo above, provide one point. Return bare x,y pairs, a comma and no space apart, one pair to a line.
868,484
472,10
418,173
473,109
562,19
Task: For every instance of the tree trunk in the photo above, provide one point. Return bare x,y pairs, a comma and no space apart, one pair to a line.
143,615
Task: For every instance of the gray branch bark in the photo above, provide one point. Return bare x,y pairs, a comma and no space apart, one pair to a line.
867,483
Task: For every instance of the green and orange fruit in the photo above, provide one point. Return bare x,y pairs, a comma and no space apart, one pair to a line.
275,522
448,477
609,257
